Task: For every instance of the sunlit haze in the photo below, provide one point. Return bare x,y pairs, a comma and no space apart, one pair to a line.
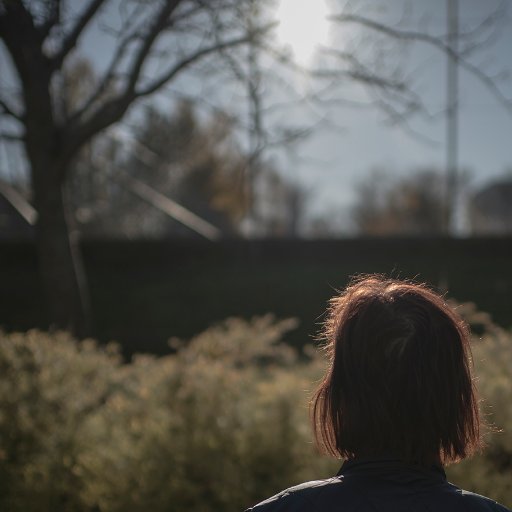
303,27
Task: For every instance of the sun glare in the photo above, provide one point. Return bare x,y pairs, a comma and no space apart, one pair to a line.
303,27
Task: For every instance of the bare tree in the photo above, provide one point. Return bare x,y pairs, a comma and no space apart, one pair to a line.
156,43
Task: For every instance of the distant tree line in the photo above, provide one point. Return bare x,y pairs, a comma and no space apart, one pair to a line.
414,204
196,162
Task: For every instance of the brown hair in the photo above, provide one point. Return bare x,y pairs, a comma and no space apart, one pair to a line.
399,380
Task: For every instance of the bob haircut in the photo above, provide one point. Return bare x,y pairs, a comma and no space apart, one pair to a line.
399,380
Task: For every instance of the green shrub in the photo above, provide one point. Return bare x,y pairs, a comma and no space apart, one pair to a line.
49,385
490,473
218,425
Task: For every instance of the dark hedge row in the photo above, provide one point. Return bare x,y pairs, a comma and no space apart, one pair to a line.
143,292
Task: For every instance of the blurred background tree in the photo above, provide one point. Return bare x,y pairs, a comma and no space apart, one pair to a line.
194,162
39,37
152,46
412,205
490,209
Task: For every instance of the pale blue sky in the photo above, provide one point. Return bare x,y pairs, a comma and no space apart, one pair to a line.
331,162
485,126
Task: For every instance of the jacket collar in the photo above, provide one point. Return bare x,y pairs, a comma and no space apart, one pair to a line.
392,469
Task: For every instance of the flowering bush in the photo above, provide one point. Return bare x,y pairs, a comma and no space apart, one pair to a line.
490,473
217,425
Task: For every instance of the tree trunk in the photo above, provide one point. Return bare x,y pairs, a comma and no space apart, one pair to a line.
60,261
59,258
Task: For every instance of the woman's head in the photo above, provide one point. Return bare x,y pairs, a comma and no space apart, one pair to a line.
399,381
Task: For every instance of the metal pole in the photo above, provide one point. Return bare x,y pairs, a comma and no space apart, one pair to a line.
452,126
255,121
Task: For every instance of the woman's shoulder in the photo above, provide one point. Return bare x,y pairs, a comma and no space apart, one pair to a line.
482,503
451,498
330,494
299,498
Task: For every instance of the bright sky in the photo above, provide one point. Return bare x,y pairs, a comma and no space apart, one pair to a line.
303,27
331,161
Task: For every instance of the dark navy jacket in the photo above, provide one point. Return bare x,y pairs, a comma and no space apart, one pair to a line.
379,486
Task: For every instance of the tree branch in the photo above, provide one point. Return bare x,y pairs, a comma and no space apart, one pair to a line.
112,110
410,35
131,32
184,63
107,78
160,22
11,137
406,35
488,28
488,82
10,112
52,19
395,117
71,39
